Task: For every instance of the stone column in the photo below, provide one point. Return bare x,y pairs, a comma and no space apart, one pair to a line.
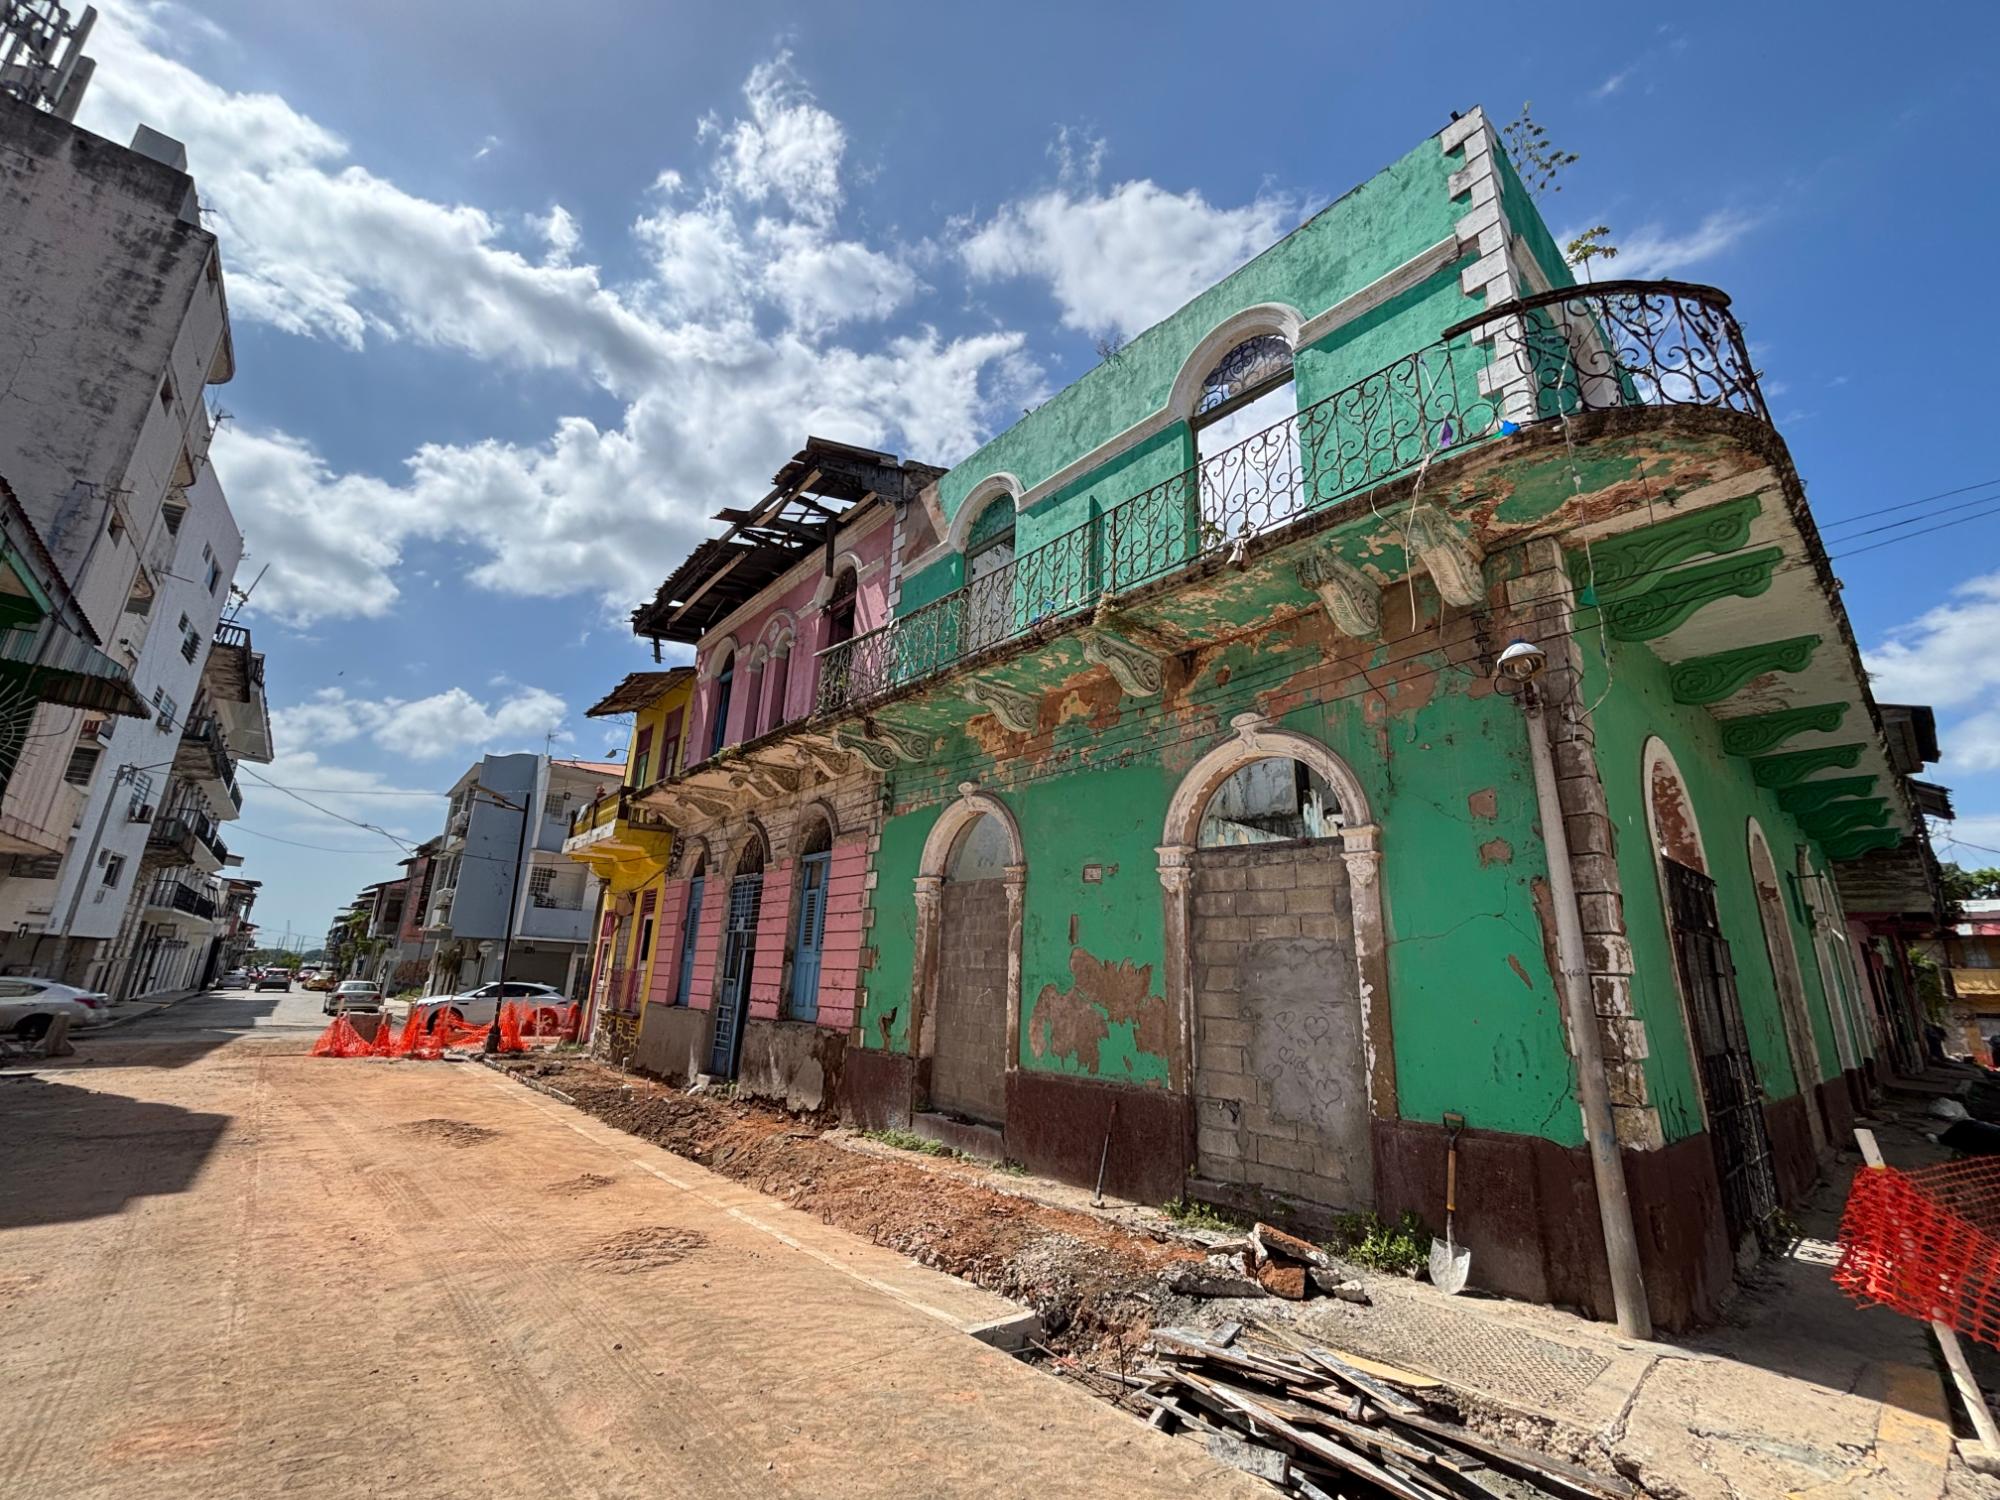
1371,960
1542,609
1015,878
923,982
1177,909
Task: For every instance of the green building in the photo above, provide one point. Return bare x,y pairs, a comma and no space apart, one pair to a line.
1209,843
1212,831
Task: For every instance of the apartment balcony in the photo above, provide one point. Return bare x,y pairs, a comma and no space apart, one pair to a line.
203,757
616,831
1982,985
438,917
234,677
170,898
184,840
1541,361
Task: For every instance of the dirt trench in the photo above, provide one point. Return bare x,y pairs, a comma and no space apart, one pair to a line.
1092,1283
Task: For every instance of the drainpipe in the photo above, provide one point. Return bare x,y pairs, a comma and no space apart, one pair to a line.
1614,1204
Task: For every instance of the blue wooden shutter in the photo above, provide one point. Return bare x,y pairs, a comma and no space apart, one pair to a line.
810,937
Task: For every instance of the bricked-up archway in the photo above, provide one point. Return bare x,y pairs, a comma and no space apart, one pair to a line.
934,874
1344,865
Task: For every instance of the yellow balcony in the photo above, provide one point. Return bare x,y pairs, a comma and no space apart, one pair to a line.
621,841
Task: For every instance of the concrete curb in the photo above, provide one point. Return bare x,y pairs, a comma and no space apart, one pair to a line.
152,1008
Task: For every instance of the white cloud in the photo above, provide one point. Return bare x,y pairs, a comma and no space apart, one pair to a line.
1655,251
1945,658
486,147
1611,85
443,724
723,358
1118,261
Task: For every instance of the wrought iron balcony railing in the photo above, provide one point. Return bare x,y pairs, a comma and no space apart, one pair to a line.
171,893
1541,358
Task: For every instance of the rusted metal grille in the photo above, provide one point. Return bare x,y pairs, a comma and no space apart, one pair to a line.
1729,1082
1541,358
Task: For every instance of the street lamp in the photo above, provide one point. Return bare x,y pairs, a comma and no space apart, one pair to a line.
492,1044
1523,663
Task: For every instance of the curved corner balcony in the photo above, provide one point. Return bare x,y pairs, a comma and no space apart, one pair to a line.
1538,360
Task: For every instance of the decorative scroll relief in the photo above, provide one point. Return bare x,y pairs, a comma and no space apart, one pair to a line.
1753,734
1846,817
1350,596
878,757
1452,559
909,744
1790,770
1867,841
1136,670
1672,600
1015,709
1618,565
1811,796
1710,679
706,804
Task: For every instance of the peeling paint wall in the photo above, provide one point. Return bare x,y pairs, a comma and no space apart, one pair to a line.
1724,797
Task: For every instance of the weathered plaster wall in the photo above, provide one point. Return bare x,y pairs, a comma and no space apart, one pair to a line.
1725,798
1443,761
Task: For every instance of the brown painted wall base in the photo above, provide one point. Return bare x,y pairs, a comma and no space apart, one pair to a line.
875,1088
793,1063
1791,1148
1836,1110
1528,1209
672,1042
1056,1127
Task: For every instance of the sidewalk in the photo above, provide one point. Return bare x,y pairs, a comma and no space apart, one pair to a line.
127,1011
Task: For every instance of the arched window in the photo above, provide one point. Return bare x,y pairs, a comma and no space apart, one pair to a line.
1247,450
777,682
840,608
989,575
815,853
718,726
1269,801
981,852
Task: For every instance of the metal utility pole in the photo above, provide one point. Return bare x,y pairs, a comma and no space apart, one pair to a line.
1523,663
526,809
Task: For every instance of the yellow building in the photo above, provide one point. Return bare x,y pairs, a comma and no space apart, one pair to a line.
628,847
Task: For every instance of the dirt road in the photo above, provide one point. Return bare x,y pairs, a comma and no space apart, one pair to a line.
228,1269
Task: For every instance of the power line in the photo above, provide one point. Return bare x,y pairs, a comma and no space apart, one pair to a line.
1884,510
295,844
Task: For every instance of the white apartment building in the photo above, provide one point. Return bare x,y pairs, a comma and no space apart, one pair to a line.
115,322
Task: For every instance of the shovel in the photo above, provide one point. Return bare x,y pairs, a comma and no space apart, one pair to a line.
1451,1262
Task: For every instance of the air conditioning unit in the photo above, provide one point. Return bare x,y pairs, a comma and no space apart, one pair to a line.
143,814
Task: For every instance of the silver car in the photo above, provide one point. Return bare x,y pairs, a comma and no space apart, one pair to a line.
28,1005
353,994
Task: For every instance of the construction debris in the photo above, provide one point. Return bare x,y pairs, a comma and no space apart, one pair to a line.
1314,1424
1265,1262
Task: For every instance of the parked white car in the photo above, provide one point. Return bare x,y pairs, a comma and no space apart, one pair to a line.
235,979
352,994
28,1005
477,1006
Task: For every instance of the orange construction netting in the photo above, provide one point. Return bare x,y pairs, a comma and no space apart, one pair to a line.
1927,1243
430,1035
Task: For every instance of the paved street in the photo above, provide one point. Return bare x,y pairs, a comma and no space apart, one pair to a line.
228,1269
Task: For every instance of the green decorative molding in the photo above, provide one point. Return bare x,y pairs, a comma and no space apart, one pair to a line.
1710,679
1845,817
1790,770
1620,564
1867,841
1641,617
1753,734
1811,796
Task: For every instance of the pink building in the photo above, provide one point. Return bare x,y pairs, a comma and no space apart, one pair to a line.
763,919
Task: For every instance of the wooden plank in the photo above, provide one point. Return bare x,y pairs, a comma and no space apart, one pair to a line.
1320,1448
1347,1374
1515,1459
708,583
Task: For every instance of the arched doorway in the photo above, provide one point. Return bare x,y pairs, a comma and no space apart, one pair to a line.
1246,446
968,975
989,576
1790,981
739,949
1732,1094
813,849
1274,960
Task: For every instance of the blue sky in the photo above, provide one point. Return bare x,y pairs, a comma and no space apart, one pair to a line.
524,293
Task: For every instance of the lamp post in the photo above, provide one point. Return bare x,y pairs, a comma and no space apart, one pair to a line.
1522,663
526,810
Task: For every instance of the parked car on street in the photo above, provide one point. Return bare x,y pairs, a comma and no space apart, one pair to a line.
235,979
353,994
28,1005
273,979
317,979
478,1005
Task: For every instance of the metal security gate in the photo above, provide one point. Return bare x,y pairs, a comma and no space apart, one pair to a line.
739,944
1729,1080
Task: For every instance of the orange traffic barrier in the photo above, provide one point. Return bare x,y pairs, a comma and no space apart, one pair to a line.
340,1039
1927,1243
429,1034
